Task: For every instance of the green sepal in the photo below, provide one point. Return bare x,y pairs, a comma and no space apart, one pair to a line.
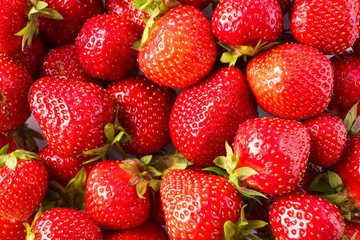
29,234
146,159
155,185
327,183
253,194
141,188
147,31
41,5
109,131
244,173
335,198
11,162
153,171
352,121
219,171
4,150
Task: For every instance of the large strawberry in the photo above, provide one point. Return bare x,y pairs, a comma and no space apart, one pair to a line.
330,26
144,112
196,205
277,149
181,48
291,81
104,46
110,200
15,82
207,114
71,115
306,217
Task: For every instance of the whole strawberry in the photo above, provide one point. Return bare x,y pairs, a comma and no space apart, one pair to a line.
144,112
71,115
291,81
207,114
110,201
196,205
305,217
181,48
277,149
330,26
12,230
65,223
15,82
104,46
352,229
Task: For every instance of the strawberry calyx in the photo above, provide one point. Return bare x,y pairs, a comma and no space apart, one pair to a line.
25,138
11,159
352,120
31,29
29,233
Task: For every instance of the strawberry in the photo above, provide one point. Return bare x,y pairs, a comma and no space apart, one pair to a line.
15,82
4,140
107,39
199,4
284,5
196,205
65,223
330,26
277,149
291,81
181,48
110,200
305,217
12,230
61,62
71,115
144,111
346,83
146,231
75,13
352,229
207,114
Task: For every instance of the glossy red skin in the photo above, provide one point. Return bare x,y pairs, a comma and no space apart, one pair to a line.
12,230
305,217
346,83
12,20
207,114
199,4
15,82
105,34
328,136
22,190
291,81
75,13
144,112
277,149
156,211
71,115
181,48
4,140
64,223
196,205
352,228
331,26
146,231
124,7
238,23
61,62
111,202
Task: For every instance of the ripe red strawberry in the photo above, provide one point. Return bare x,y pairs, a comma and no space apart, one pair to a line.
4,140
65,223
146,231
107,39
199,4
75,13
61,62
110,200
71,115
305,217
352,229
207,114
277,149
328,137
144,112
12,230
346,83
197,205
291,81
15,82
238,23
330,26
181,48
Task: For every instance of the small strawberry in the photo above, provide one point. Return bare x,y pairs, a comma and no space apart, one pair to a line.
180,50
305,217
352,230
144,112
291,81
65,223
71,115
207,114
330,26
146,231
196,206
12,230
328,137
110,200
107,39
15,82
277,149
